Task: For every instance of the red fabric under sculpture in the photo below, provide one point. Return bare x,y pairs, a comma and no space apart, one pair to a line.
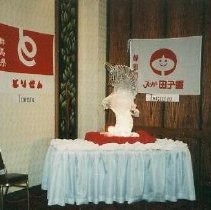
100,138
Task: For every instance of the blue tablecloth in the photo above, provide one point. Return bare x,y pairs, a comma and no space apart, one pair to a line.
94,175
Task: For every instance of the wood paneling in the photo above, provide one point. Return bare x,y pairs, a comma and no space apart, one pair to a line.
206,161
119,33
148,19
184,18
190,119
206,96
147,22
206,65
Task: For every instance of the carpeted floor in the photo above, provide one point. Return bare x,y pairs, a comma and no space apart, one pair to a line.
38,201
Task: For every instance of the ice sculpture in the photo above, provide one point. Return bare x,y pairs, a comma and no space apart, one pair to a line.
121,100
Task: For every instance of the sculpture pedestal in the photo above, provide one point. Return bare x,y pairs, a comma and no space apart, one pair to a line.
104,138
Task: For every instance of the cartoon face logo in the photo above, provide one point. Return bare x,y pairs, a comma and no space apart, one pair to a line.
163,62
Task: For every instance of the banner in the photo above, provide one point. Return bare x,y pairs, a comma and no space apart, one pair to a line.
26,61
24,51
167,66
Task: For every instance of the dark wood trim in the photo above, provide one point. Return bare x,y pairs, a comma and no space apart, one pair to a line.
56,56
174,133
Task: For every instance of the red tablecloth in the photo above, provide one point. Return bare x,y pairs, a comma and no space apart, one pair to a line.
100,138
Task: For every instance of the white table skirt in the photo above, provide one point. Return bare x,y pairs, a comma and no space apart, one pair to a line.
76,173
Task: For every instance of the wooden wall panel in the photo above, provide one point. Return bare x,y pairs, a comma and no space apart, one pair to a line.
190,119
119,33
206,95
119,28
206,64
184,18
147,22
206,161
148,19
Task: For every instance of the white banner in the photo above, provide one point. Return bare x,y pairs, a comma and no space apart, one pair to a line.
167,66
26,63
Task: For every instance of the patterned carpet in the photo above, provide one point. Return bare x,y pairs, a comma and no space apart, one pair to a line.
38,201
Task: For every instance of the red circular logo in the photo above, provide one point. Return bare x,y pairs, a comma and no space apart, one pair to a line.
163,62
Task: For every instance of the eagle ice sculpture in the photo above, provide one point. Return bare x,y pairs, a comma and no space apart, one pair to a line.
121,100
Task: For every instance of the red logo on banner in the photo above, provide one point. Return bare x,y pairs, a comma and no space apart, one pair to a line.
163,61
23,51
